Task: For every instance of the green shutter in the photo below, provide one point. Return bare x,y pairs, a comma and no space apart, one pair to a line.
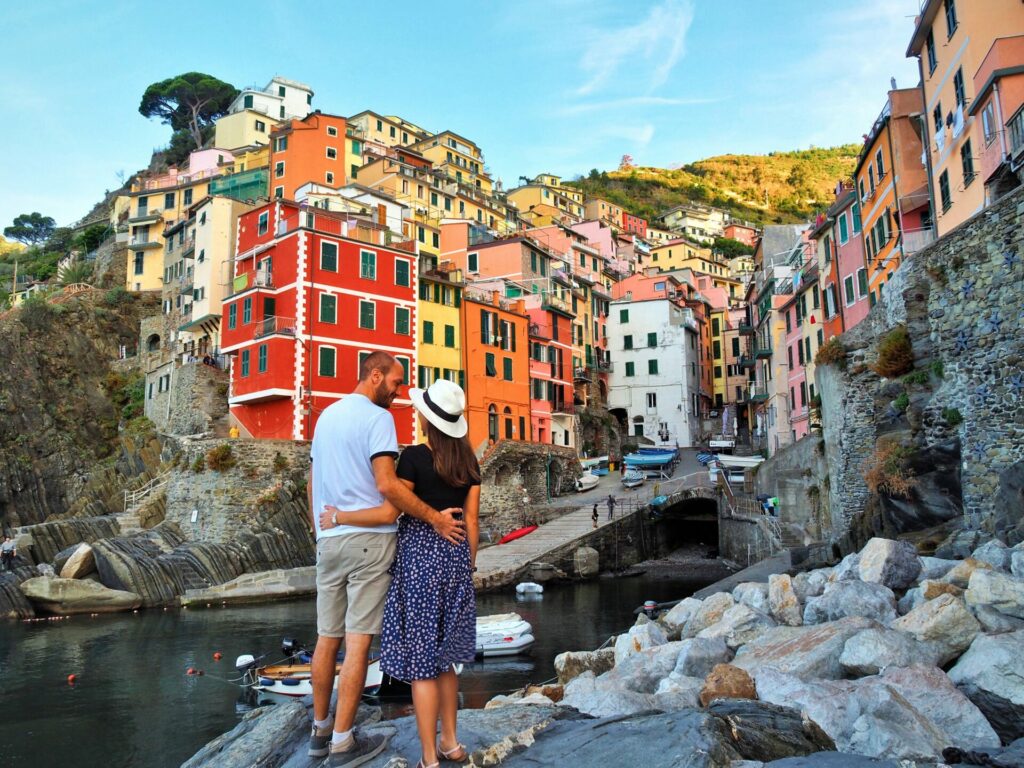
329,257
652,339
402,321
328,308
449,336
630,369
489,368
262,359
507,365
326,367
652,366
367,312
623,315
428,332
401,272
245,362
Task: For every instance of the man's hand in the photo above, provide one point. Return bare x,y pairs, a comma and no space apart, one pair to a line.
448,527
327,517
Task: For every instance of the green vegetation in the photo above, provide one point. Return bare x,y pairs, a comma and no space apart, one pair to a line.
730,248
886,471
902,402
779,187
281,463
199,465
31,228
220,458
952,416
189,103
937,369
917,377
895,356
832,352
127,392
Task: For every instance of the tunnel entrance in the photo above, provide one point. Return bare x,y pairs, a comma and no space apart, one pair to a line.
691,523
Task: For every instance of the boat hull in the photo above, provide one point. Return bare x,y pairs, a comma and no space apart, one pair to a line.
517,534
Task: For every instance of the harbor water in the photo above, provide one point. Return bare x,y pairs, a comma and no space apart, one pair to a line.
132,703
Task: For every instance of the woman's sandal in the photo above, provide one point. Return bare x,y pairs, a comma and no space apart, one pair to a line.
421,764
456,754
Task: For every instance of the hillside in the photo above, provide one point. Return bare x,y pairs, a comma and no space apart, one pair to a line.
780,187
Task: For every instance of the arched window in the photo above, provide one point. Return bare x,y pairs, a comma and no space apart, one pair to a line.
507,413
492,422
153,343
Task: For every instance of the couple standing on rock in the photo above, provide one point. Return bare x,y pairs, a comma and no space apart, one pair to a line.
414,577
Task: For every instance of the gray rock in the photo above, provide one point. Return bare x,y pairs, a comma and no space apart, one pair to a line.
839,760
944,623
783,602
573,663
738,626
805,652
811,583
584,694
910,600
960,574
638,638
642,671
935,567
995,553
893,564
752,594
79,563
852,598
586,562
992,676
698,656
676,617
682,685
847,569
1011,756
871,651
68,596
278,584
1017,564
710,612
960,544
993,622
47,570
266,736
997,590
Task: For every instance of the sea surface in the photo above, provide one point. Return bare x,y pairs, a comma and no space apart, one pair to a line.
132,703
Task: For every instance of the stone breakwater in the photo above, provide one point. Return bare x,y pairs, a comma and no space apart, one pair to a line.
886,659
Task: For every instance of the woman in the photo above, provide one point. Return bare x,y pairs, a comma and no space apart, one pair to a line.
430,611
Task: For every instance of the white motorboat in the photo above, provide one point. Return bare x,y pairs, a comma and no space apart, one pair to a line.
529,588
503,634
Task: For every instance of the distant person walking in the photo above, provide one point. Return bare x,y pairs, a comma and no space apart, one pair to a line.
8,551
611,507
593,515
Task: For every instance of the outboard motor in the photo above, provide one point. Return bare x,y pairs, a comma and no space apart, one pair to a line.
290,647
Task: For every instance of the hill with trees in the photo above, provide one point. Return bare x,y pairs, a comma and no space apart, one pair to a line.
780,187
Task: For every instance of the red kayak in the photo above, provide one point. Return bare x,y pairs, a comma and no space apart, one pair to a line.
517,534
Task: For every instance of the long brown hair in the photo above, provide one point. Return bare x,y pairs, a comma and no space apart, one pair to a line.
454,460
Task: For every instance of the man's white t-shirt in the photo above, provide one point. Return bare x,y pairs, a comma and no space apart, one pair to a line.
349,435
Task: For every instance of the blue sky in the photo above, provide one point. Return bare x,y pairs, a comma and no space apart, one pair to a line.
556,86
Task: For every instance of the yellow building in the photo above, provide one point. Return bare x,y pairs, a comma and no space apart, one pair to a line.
681,254
379,132
250,158
545,201
438,347
602,210
243,129
458,158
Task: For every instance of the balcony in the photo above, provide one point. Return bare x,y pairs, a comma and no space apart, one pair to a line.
188,248
562,408
580,374
551,301
762,353
757,392
143,242
746,329
746,361
270,326
143,216
258,279
915,240
601,366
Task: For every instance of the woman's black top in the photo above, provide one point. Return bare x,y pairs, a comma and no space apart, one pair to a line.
416,464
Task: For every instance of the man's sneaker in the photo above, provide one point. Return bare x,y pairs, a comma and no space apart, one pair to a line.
320,741
357,750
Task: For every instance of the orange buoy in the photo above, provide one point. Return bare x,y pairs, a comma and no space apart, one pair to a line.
217,656
71,679
190,671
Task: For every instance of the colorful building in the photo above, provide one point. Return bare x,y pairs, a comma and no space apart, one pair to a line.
892,186
951,40
635,225
315,149
602,210
551,387
999,133
281,99
546,200
313,294
245,128
743,233
439,345
695,222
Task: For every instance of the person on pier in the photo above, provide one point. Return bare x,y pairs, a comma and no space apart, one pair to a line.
430,611
353,467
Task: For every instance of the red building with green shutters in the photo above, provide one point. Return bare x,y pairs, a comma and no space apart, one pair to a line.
313,293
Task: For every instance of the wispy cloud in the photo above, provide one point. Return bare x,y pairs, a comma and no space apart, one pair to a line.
633,102
659,39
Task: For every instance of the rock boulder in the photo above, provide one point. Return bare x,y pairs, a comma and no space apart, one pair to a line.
944,623
783,602
995,553
639,637
871,651
991,673
960,574
574,663
80,563
67,596
852,598
727,682
997,590
738,626
676,617
893,564
805,652
710,612
698,656
752,594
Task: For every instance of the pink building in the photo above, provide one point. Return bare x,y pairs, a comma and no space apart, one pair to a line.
999,135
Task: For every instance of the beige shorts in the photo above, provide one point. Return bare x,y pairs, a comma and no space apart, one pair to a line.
352,580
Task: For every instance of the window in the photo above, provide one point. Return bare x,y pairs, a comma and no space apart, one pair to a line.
630,369
807,349
871,178
507,366
279,169
328,178
328,308
261,359
652,399
368,265
261,127
402,272
627,341
489,368
278,193
473,262
735,347
862,282
789,357
187,200
281,144
247,101
958,87
937,117
332,153
402,320
263,223
247,311
947,201
232,315
367,315
652,339
950,17
715,326
449,336
280,91
652,366
623,315
929,45
880,165
245,362
967,163
328,358
139,262
848,289
988,120
844,233
328,256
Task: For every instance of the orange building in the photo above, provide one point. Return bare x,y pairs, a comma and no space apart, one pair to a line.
496,358
892,185
315,149
999,134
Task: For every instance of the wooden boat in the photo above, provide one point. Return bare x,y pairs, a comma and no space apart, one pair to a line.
296,679
517,534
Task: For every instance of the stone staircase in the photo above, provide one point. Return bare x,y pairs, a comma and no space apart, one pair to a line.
130,521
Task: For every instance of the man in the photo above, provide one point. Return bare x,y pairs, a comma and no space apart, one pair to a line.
8,551
593,515
611,507
353,467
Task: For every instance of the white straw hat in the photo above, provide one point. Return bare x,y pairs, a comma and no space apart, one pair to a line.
442,404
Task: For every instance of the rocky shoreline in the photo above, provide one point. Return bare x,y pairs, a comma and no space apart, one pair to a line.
885,659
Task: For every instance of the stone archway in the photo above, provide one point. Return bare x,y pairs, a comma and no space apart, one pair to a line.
153,342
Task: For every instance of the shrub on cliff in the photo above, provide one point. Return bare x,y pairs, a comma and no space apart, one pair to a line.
895,356
220,458
885,471
832,352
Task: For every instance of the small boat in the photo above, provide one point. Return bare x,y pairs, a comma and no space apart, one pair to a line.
599,471
503,634
517,534
296,679
633,478
529,587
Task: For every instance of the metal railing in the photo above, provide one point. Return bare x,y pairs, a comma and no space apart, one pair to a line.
132,499
273,324
915,240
